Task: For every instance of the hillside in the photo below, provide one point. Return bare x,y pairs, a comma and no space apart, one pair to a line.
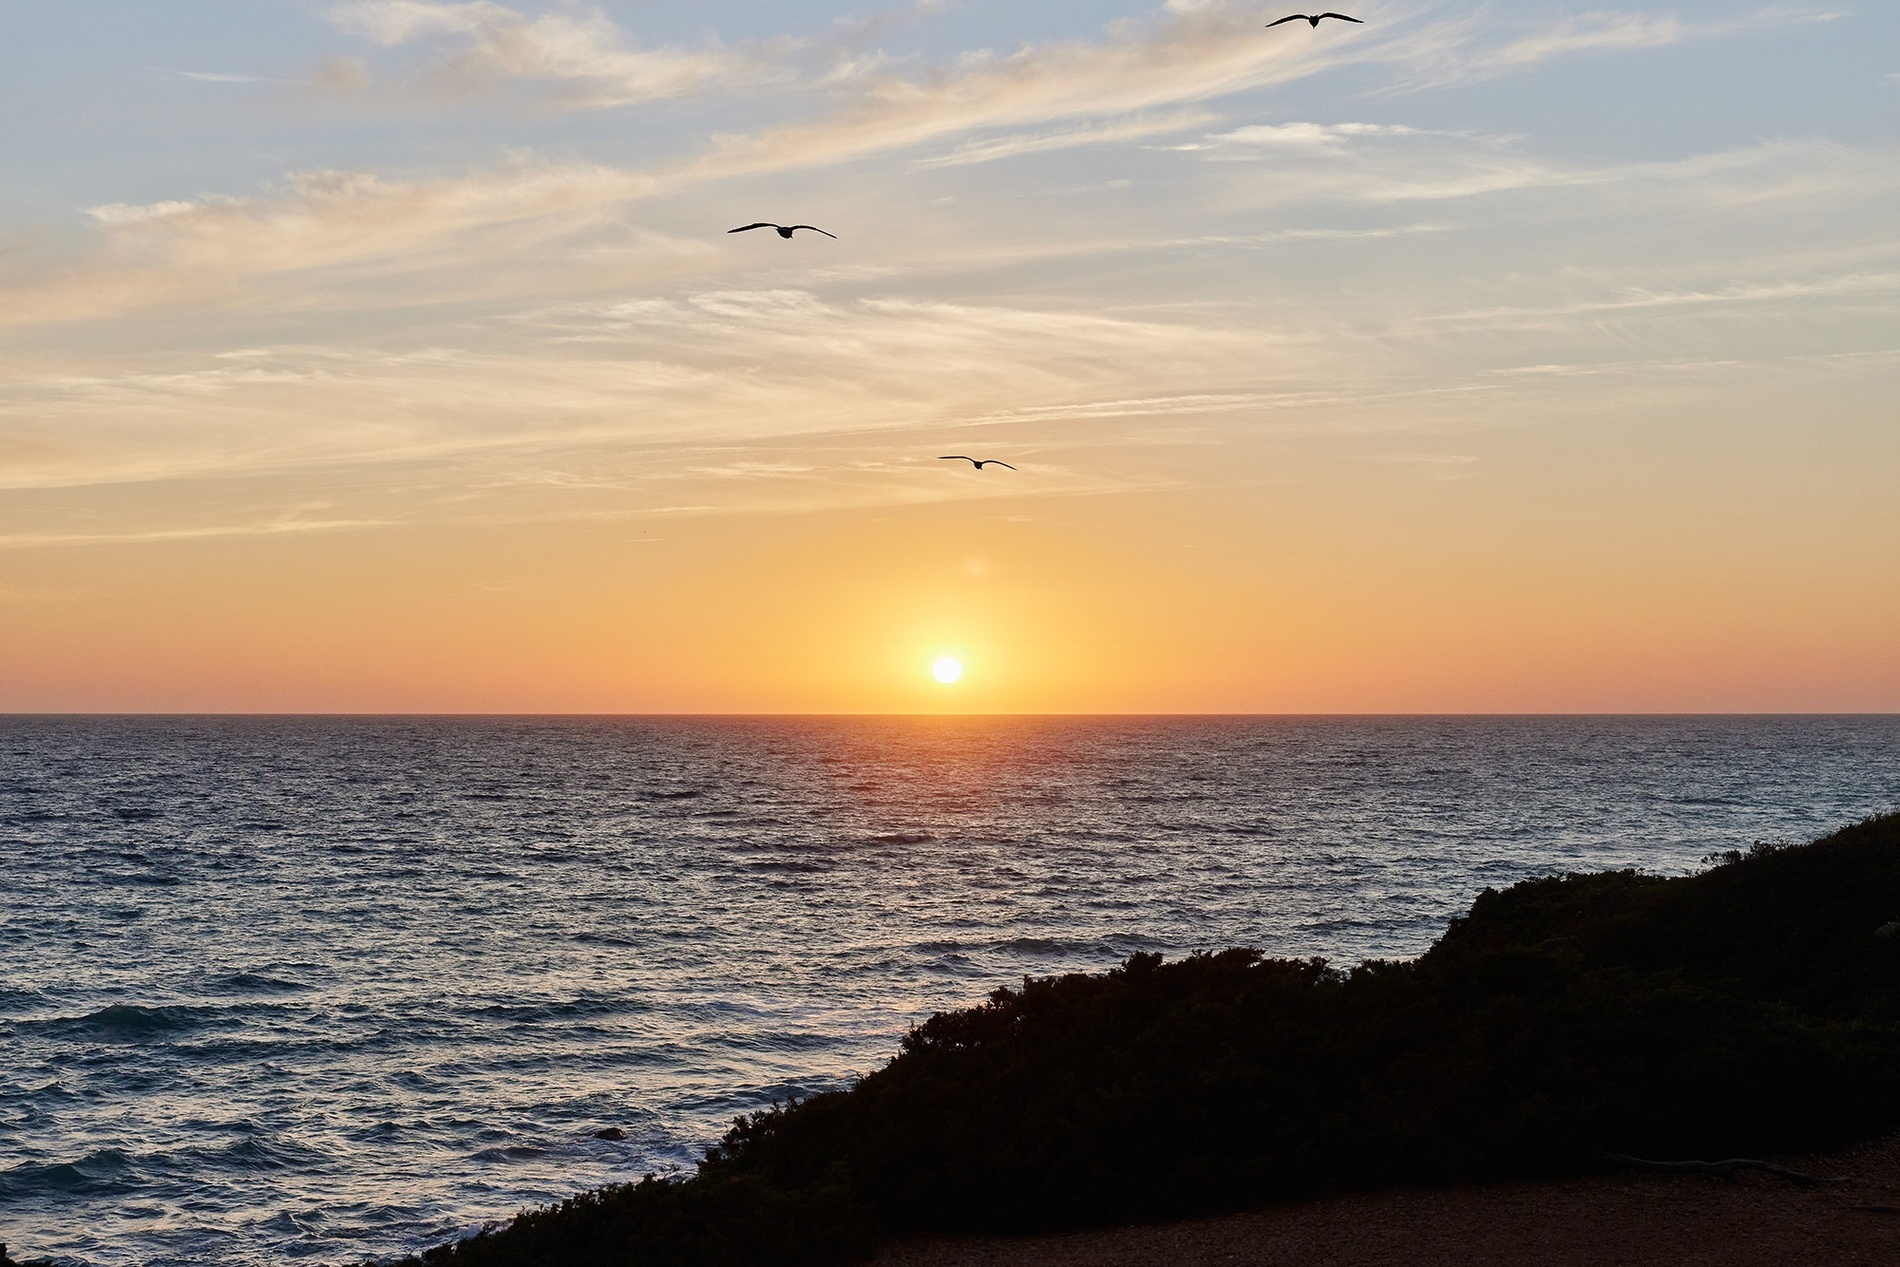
1752,1008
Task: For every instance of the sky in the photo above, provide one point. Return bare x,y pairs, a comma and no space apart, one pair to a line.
393,356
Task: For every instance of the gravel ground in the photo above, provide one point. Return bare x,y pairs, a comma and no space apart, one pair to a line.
1608,1220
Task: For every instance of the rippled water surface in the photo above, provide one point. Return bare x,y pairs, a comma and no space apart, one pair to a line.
327,989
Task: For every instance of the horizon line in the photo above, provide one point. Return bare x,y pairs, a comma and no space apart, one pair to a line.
7,714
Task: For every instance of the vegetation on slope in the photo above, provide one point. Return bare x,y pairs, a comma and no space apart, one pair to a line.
1751,1008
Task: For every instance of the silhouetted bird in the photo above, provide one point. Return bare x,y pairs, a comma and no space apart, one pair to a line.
1315,20
979,465
784,230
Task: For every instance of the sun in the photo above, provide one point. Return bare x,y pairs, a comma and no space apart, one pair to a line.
947,669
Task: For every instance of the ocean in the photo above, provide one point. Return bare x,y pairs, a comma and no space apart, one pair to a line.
333,989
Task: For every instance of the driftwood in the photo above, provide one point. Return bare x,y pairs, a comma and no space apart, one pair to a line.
1725,1168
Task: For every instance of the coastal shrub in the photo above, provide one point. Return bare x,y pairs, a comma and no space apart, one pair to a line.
1752,1008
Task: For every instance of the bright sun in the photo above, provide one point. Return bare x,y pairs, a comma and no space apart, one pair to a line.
947,669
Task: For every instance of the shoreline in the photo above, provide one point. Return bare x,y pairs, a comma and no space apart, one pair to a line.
1631,1219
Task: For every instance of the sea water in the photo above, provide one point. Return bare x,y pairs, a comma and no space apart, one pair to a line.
278,989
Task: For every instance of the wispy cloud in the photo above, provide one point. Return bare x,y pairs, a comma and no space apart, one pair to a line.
323,237
1190,52
592,388
209,251
1432,466
1395,165
1467,58
990,149
1184,55
212,77
581,53
205,250
1279,237
1747,293
1324,137
268,528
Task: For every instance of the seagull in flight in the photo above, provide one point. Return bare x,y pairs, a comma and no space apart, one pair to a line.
978,464
784,230
1313,18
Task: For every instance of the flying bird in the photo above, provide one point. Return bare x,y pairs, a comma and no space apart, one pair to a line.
784,230
1315,20
978,464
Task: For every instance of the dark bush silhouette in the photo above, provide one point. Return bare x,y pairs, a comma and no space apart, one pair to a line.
1752,1008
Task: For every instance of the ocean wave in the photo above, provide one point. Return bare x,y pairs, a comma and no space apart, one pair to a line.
130,1022
565,1010
258,1153
790,1040
105,1171
1117,944
160,879
15,1000
1035,945
592,938
256,982
35,816
1133,942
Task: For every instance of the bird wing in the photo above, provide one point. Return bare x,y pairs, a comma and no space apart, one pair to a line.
815,229
763,224
1291,17
1343,17
1004,465
956,457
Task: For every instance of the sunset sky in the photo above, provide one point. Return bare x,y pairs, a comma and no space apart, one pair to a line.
392,355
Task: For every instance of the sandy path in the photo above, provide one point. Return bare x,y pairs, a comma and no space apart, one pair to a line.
1611,1220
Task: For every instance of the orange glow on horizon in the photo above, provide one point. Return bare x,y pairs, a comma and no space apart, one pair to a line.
1155,604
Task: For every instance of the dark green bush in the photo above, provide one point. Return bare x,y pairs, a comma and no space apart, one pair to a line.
1752,1008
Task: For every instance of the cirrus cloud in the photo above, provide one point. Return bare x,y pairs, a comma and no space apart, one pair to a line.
585,55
